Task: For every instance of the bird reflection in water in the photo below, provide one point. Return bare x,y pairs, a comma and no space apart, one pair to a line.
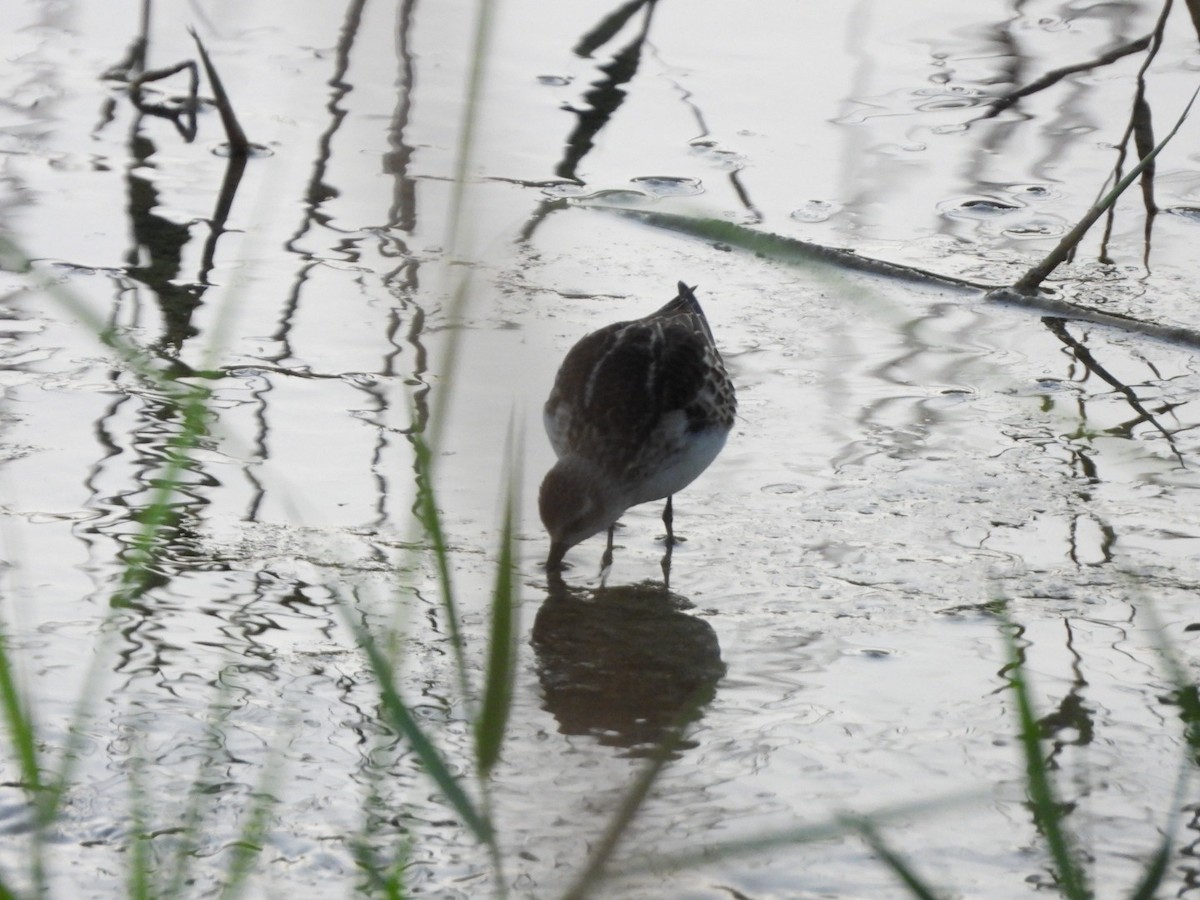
625,664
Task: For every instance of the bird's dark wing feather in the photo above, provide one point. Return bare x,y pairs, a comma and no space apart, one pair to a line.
623,378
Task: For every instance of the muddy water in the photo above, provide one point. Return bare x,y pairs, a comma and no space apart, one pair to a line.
904,456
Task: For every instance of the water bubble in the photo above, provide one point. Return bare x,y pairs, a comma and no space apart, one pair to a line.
816,211
669,185
977,207
565,189
714,154
253,151
1036,228
988,205
617,196
782,488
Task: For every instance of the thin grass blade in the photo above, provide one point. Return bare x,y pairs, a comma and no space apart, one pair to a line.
189,826
248,846
431,522
633,801
831,829
385,879
397,714
916,885
138,873
1147,888
20,728
1040,788
617,826
502,644
1188,698
22,736
140,573
1187,692
456,218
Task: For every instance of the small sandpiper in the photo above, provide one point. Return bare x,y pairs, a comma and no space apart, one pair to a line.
638,410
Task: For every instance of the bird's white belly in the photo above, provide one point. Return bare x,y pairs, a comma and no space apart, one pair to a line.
683,468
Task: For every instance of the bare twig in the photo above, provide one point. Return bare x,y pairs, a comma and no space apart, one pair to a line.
1032,279
1056,75
238,144
1141,129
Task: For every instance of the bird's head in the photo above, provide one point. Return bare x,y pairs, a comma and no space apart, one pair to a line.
576,501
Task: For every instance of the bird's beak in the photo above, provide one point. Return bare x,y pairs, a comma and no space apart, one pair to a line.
554,561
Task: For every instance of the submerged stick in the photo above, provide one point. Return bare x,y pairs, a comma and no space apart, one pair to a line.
793,251
787,249
1032,279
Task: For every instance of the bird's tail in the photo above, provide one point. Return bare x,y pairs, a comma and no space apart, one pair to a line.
685,304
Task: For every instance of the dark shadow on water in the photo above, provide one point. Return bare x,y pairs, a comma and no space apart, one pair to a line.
625,664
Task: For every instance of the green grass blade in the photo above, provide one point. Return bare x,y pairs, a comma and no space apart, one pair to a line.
431,521
502,655
630,806
22,737
138,873
1187,697
248,846
397,714
899,866
457,217
1187,692
385,879
634,799
1047,810
140,562
93,683
20,728
1147,888
177,871
831,829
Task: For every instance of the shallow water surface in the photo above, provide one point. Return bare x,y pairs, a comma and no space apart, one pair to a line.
905,456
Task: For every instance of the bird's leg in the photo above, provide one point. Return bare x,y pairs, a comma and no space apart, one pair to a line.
666,567
606,560
668,520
